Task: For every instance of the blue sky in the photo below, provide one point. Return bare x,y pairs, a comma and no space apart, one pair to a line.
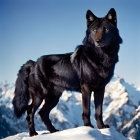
32,28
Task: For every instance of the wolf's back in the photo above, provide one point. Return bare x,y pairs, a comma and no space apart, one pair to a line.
21,98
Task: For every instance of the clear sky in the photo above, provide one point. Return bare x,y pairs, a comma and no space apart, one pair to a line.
32,28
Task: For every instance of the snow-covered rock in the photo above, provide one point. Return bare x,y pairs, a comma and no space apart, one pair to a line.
132,126
121,103
81,133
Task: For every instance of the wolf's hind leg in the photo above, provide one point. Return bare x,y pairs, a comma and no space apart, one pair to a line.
30,115
50,102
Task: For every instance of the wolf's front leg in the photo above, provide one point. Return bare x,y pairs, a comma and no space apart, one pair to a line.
98,102
86,95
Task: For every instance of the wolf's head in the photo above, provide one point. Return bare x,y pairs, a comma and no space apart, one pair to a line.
102,32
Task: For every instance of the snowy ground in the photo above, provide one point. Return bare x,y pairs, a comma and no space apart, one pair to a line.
81,133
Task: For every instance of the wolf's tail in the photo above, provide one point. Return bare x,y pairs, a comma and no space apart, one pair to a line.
21,98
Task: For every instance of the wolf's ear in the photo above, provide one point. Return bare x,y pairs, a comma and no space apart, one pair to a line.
111,16
90,18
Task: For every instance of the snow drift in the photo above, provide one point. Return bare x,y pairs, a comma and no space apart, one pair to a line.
82,133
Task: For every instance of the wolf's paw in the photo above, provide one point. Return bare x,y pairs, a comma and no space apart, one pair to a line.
54,130
33,133
90,125
104,126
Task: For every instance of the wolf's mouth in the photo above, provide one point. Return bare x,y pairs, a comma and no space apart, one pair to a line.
99,44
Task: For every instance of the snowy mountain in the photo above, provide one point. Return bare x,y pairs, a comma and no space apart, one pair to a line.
123,107
121,110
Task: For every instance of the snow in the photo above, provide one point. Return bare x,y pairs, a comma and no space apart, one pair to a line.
81,133
137,115
134,93
7,94
122,96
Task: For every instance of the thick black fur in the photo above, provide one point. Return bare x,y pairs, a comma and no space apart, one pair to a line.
89,68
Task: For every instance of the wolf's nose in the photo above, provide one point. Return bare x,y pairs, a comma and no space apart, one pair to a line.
98,40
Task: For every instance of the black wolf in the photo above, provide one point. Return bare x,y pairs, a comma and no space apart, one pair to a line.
89,68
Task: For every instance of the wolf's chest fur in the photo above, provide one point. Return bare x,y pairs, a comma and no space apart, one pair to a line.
93,67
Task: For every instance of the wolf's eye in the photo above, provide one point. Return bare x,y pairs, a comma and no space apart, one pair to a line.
94,30
106,29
